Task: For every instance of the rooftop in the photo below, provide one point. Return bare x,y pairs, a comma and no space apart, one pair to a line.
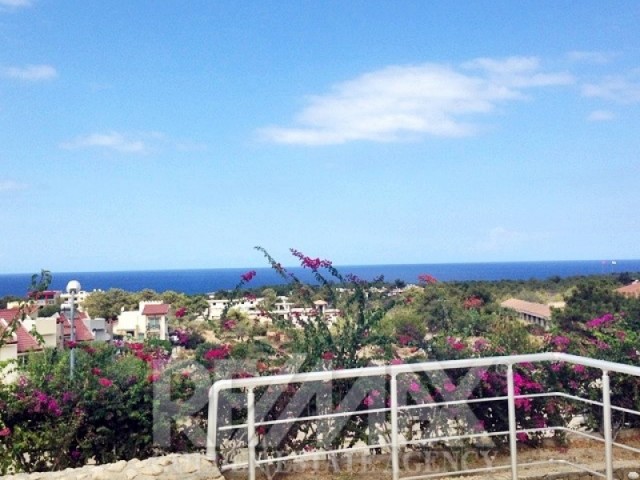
156,309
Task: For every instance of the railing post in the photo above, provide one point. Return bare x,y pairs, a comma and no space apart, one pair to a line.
212,430
393,404
511,401
251,432
606,424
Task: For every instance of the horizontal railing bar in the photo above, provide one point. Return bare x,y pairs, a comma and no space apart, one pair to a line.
305,419
626,410
421,441
582,434
451,402
626,447
234,466
315,454
385,370
404,369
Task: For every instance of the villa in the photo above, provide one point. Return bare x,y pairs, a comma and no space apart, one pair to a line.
149,321
532,312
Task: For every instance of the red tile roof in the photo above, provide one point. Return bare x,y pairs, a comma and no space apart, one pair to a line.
9,314
83,334
25,341
156,309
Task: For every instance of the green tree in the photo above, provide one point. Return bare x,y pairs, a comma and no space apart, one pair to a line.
109,304
590,299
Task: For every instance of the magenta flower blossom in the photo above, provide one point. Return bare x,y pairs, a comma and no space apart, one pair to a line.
427,279
602,321
328,356
105,382
368,401
579,369
5,432
314,264
217,353
414,386
248,276
561,342
449,387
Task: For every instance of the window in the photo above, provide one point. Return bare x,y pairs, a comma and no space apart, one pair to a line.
153,323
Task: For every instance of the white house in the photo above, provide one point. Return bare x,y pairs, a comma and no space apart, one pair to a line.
149,321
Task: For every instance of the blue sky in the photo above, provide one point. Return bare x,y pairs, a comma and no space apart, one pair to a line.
179,134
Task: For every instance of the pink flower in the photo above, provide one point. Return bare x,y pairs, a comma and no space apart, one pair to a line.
396,361
96,371
473,303
427,279
248,276
181,312
522,436
328,356
368,400
449,387
455,343
480,344
414,386
604,320
314,264
561,342
217,353
5,432
579,368
479,426
105,382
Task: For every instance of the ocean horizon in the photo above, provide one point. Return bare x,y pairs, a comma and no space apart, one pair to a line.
193,281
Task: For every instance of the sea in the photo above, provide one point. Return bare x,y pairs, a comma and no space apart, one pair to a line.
211,280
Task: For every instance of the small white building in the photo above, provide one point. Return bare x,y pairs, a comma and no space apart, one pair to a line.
151,320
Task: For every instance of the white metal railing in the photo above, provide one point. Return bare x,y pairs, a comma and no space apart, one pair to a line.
247,387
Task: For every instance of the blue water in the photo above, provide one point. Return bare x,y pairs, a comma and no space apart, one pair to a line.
203,281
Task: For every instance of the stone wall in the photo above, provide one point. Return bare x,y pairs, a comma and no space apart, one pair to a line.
170,467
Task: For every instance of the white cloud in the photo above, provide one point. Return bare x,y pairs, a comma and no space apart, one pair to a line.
601,116
110,141
15,3
140,143
31,73
11,186
401,102
617,88
598,58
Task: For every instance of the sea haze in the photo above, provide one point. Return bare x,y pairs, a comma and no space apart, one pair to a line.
210,280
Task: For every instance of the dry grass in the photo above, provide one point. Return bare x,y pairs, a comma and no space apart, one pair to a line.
360,467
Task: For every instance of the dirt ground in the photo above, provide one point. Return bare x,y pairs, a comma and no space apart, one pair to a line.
581,451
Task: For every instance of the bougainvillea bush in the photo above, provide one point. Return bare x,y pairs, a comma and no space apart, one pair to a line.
50,421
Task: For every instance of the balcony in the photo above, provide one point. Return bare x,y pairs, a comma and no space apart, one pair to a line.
485,417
